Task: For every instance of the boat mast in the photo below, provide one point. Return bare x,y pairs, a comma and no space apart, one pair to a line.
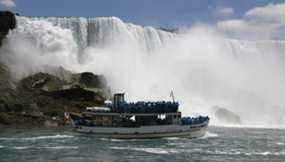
172,96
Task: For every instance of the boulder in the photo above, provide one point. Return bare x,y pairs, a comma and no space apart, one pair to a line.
226,116
92,81
51,124
76,94
59,72
41,81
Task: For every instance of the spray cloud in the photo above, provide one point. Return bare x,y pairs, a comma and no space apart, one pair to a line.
8,3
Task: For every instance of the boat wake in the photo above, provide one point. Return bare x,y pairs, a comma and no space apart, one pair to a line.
164,151
210,135
249,126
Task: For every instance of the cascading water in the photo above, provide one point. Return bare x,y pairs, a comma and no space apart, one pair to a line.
201,66
35,44
100,32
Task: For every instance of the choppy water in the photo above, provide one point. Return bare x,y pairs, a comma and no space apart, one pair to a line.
220,144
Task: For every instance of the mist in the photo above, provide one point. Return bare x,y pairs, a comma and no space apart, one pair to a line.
8,3
201,66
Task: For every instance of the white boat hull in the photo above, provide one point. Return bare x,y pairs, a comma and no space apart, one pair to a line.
158,131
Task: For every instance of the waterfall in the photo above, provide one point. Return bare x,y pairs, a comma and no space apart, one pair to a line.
202,67
102,31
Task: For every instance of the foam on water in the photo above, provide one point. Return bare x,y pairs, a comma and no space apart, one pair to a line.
257,126
44,147
280,143
172,138
236,152
156,150
215,152
112,139
21,147
148,150
58,136
232,144
59,147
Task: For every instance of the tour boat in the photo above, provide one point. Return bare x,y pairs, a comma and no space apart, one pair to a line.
123,120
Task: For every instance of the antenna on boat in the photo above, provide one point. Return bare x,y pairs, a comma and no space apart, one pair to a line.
172,95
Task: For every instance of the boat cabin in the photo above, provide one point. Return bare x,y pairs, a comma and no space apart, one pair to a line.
131,119
123,114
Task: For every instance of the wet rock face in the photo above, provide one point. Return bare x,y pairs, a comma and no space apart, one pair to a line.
226,116
41,81
76,94
7,22
90,80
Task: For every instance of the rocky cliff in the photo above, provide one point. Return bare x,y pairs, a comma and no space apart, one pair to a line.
7,23
41,99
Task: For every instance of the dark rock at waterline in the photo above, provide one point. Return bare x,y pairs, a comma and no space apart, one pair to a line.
7,22
226,116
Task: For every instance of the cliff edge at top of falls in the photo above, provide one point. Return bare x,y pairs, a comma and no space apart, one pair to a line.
7,23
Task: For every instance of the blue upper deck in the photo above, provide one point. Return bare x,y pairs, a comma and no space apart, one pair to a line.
145,107
121,106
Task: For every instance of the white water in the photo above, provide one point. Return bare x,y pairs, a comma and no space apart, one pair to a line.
58,136
201,66
148,150
45,147
210,135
